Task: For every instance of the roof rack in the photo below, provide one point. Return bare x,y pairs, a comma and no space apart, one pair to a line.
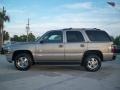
96,29
81,29
67,29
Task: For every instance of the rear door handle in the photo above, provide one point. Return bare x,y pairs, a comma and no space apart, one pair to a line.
82,45
60,46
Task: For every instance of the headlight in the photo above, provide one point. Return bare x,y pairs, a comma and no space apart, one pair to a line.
7,50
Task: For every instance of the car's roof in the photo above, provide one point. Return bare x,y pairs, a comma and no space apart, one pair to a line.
74,29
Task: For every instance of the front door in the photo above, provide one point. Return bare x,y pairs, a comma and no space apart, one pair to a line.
51,46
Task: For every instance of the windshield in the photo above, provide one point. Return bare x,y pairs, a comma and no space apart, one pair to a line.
40,37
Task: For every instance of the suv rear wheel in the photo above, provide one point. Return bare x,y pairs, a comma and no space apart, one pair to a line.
23,61
92,63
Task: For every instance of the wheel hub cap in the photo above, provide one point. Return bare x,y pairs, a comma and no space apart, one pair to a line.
22,62
92,63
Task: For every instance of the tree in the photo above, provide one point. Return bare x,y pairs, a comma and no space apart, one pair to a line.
5,36
31,37
15,38
23,38
3,18
117,40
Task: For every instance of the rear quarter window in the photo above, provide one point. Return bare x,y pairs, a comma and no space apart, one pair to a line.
98,36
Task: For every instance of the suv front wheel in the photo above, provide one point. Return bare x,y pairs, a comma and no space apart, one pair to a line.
92,63
23,61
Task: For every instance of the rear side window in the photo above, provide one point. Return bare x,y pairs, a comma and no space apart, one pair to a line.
98,36
74,36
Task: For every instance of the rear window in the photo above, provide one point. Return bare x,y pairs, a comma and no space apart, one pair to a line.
98,36
74,36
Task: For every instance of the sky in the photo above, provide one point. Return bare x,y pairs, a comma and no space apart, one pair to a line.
47,15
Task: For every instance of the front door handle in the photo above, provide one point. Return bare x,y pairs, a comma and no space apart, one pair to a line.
60,46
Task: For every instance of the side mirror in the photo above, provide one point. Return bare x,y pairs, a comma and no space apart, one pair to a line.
41,41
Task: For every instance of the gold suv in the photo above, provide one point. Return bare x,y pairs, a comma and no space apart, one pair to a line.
87,46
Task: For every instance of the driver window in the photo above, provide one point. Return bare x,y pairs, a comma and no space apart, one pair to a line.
53,37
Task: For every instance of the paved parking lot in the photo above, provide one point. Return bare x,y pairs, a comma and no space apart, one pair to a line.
61,77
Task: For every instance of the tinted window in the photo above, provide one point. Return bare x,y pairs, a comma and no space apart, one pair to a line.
74,36
98,36
53,37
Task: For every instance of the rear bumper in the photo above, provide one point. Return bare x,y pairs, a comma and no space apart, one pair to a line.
114,57
109,57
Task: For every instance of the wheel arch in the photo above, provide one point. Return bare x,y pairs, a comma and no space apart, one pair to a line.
22,51
96,52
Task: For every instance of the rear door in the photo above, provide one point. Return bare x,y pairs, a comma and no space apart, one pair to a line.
75,45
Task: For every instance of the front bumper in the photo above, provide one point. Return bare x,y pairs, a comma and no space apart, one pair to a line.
1,51
8,53
9,57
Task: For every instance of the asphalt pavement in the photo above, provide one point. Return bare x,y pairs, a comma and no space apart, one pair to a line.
59,77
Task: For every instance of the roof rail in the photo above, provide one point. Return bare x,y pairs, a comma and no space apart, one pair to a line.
81,29
67,29
96,29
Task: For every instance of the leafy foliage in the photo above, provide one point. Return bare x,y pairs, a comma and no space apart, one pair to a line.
3,18
117,40
23,38
5,35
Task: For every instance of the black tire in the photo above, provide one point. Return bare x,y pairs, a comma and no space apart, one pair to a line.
92,63
27,61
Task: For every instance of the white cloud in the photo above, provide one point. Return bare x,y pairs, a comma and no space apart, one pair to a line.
39,28
95,18
84,5
113,29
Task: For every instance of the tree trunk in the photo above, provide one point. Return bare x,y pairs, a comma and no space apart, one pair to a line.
0,37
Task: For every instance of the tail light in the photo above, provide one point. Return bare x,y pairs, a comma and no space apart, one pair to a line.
113,48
